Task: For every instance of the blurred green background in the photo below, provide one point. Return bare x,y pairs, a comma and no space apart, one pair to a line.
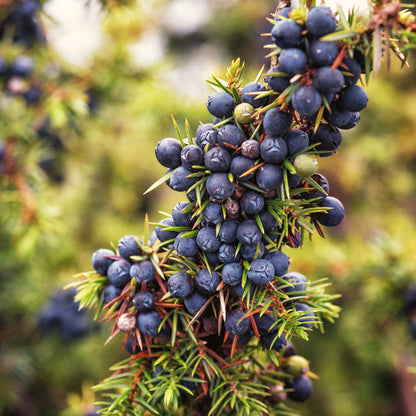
152,61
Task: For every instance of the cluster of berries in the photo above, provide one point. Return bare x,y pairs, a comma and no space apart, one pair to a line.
21,22
19,80
62,318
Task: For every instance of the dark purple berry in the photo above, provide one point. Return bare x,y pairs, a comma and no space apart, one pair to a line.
261,272
22,67
276,122
185,246
180,285
269,177
194,302
227,253
323,53
320,21
181,179
228,231
207,281
273,342
252,252
192,155
219,187
248,97
232,273
273,150
221,104
143,301
292,61
212,213
110,293
248,233
181,218
101,260
280,262
143,272
306,100
230,135
327,80
128,246
277,83
162,233
168,153
252,202
351,69
286,34
207,240
302,388
329,137
217,159
148,323
308,317
353,98
119,273
296,141
240,165
335,214
206,134
235,324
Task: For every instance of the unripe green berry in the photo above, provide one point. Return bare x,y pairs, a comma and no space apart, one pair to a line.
296,365
306,165
243,113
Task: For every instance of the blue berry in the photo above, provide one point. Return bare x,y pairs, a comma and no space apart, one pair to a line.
308,317
100,260
321,21
33,95
296,283
352,70
162,233
212,213
273,150
206,134
286,34
194,302
280,262
252,202
252,252
323,53
296,141
110,293
337,117
239,289
235,324
335,214
219,187
353,98
143,272
352,122
313,193
230,135
272,342
268,221
247,97
292,61
228,231
301,388
192,155
127,246
232,273
221,104
185,246
276,122
269,177
227,253
277,83
168,153
327,80
329,137
180,285
306,100
248,233
181,179
261,272
265,324
181,218
213,259
3,67
148,323
240,165
144,301
217,159
207,281
22,67
119,273
207,240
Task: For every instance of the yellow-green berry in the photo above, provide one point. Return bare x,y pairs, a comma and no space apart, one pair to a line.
306,165
243,113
